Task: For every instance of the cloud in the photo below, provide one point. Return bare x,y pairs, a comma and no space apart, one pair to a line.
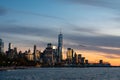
104,40
89,31
116,18
85,30
42,35
112,56
98,3
34,14
23,30
110,48
105,44
3,11
90,39
28,36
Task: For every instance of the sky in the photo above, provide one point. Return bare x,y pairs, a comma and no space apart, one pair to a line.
90,27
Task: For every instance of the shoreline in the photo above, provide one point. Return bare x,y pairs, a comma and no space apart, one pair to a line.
13,68
25,67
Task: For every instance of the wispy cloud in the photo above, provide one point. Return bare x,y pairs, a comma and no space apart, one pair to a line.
3,11
99,3
34,14
42,35
28,35
112,56
110,48
116,18
105,44
24,30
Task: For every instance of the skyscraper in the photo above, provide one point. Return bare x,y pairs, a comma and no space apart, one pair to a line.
60,44
70,55
34,53
1,46
9,46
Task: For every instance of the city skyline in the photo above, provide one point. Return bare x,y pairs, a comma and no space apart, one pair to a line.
51,57
70,56
90,27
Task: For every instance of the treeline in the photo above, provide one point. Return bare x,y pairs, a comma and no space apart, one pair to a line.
5,61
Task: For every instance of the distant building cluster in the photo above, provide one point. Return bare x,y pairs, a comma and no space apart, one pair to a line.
51,56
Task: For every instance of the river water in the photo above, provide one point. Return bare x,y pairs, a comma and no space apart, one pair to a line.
61,74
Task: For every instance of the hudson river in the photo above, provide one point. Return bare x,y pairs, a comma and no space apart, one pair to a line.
61,74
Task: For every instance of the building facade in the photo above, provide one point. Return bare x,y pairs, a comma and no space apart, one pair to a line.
49,55
60,44
70,54
1,46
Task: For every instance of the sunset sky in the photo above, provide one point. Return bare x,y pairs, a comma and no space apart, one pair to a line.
90,27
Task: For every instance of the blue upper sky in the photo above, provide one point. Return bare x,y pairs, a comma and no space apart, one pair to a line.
93,23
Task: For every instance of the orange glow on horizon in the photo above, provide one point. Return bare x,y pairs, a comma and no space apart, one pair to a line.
94,57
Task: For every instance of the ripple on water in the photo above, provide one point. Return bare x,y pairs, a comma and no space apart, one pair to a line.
62,74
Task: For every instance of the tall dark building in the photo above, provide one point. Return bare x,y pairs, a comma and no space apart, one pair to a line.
1,46
60,44
34,53
9,46
11,51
